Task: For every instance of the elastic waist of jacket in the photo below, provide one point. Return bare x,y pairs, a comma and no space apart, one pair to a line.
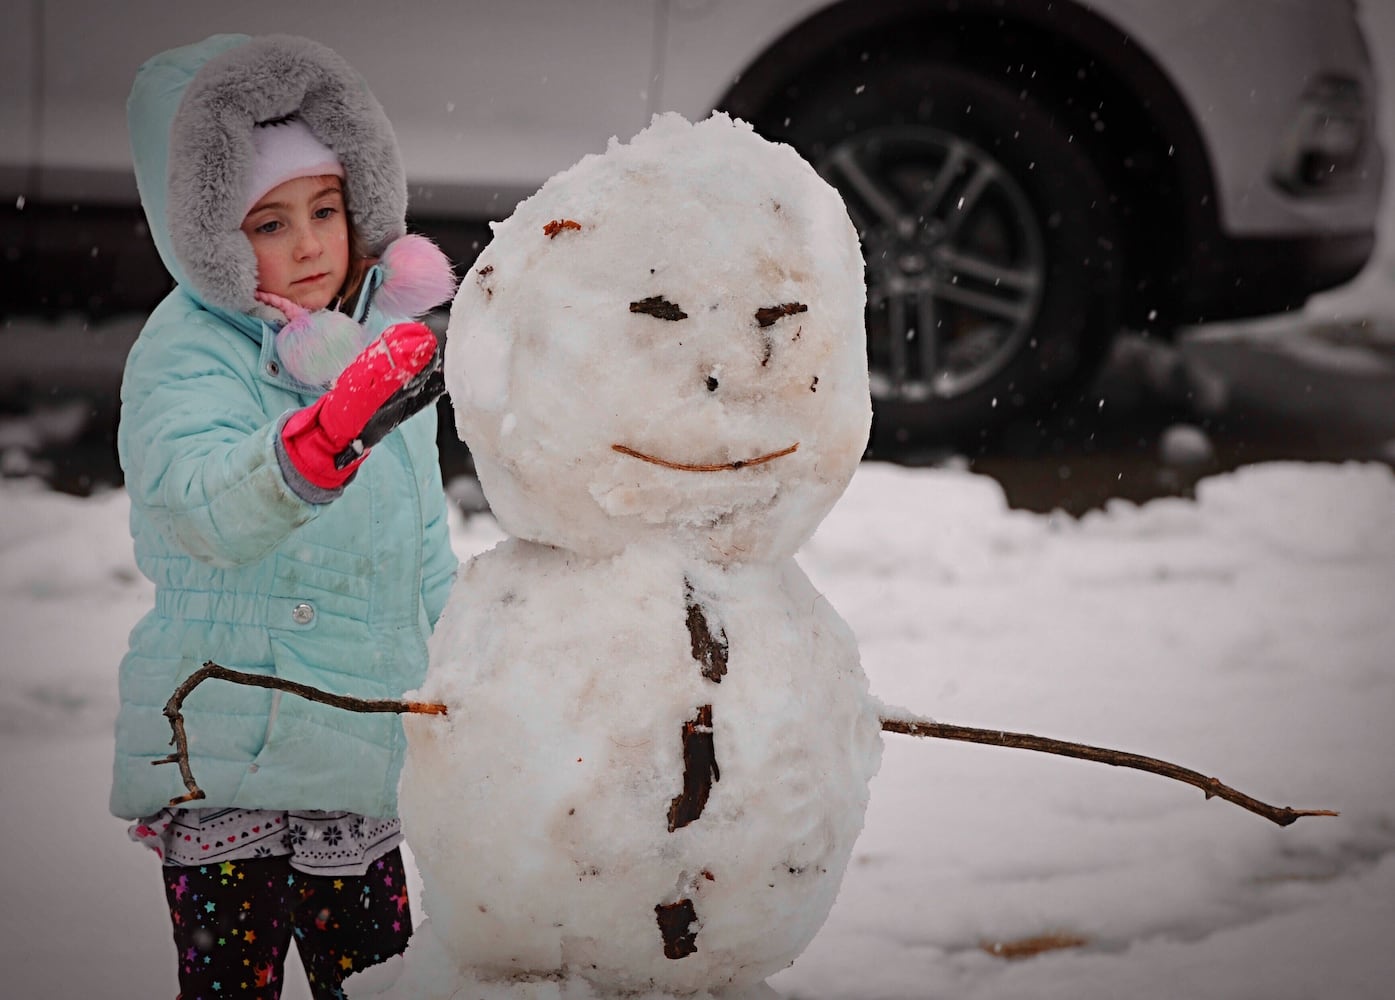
235,608
278,611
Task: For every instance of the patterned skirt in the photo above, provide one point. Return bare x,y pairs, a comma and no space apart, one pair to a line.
319,843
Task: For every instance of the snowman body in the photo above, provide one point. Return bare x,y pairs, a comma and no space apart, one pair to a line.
660,737
674,805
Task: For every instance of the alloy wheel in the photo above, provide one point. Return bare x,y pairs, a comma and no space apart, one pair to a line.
955,259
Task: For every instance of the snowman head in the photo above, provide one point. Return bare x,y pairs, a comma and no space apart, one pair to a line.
666,344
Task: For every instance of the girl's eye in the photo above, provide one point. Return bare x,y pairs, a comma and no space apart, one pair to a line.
325,211
267,228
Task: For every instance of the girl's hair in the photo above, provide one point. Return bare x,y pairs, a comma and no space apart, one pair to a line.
359,261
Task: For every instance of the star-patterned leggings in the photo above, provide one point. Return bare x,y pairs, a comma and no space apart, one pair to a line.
234,921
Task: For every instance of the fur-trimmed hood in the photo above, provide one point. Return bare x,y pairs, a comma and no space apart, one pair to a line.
191,113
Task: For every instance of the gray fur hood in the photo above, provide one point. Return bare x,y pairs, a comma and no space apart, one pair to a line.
191,113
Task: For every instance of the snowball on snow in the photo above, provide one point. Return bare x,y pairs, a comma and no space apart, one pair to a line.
1185,444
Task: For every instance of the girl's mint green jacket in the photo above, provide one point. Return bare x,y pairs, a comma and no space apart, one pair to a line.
340,594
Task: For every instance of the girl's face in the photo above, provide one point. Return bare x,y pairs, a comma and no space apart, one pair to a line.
301,238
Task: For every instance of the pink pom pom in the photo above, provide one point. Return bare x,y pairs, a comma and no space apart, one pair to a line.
417,278
315,347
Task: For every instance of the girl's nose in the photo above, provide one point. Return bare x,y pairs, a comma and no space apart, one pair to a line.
307,245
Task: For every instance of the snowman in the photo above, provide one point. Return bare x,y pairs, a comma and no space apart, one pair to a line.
660,736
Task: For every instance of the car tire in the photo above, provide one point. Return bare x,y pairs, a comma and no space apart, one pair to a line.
982,220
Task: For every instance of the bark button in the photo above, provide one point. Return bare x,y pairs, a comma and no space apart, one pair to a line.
302,614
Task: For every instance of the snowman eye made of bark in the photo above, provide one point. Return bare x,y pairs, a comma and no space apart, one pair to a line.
660,307
767,315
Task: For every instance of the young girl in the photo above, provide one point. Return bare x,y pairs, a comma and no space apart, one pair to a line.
289,513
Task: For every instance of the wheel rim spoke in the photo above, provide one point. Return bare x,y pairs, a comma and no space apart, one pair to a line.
1021,279
882,203
928,338
1000,306
928,207
983,175
896,330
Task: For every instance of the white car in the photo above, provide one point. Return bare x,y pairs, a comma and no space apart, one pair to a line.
1027,175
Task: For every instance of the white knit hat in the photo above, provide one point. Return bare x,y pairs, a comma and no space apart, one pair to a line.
285,149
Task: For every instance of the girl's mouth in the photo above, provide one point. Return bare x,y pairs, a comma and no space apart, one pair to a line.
311,279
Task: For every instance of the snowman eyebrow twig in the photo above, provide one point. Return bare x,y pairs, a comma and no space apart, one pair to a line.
767,315
557,225
718,467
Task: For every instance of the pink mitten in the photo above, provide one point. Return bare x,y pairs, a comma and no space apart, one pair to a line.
394,377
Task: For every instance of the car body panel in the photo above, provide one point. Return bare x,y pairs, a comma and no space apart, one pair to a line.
490,100
19,87
485,107
1268,51
1209,50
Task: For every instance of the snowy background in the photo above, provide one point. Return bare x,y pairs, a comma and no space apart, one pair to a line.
1246,633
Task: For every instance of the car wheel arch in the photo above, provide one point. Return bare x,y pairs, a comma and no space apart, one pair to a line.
1151,149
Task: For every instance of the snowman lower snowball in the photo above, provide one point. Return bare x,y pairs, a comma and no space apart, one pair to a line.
660,736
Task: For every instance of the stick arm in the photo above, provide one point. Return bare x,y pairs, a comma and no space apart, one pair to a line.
1282,815
210,670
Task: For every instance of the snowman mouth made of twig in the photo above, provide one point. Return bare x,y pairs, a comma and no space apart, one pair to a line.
743,463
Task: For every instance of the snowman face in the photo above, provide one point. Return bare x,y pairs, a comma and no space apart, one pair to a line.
666,343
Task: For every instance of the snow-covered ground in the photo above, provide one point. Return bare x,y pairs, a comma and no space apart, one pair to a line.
1246,634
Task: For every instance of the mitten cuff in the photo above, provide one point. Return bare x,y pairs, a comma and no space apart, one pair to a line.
301,486
306,456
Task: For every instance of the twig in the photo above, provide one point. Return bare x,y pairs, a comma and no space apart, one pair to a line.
180,740
557,225
659,307
769,314
1118,758
718,467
